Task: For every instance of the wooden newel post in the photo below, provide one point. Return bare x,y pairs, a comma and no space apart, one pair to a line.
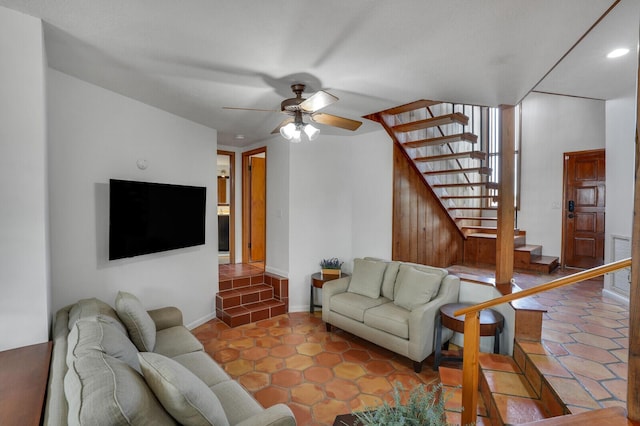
470,367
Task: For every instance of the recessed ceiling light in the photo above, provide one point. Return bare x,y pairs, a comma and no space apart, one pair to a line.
617,53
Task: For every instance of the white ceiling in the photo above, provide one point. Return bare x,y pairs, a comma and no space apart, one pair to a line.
192,57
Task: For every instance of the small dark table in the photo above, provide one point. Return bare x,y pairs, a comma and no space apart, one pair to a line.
317,281
491,324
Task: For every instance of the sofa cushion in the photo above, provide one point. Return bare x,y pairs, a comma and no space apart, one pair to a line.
366,278
415,288
180,392
140,326
354,305
404,267
91,308
102,390
390,318
237,402
201,364
99,335
176,340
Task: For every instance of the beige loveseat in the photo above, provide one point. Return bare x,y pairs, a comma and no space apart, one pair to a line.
391,304
132,367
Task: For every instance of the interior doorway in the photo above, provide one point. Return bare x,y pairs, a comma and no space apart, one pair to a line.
226,206
584,208
254,200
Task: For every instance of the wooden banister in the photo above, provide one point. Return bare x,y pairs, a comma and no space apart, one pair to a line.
470,363
560,282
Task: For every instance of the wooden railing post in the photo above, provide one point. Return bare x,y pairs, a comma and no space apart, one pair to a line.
470,367
504,237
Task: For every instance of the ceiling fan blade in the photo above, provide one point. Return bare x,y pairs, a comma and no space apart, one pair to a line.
335,121
284,123
252,109
317,101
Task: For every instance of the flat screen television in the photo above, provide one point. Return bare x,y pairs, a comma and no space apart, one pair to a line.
147,217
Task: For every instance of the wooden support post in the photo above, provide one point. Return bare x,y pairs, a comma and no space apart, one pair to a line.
470,367
504,239
633,377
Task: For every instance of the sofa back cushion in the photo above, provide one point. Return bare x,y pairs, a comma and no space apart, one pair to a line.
91,308
99,335
416,287
187,398
140,326
102,390
389,279
406,266
366,278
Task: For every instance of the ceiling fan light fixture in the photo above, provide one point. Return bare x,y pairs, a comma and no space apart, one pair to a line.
288,131
311,131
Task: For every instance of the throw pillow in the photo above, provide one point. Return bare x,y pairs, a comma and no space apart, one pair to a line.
181,392
389,280
366,278
405,267
140,326
416,288
102,390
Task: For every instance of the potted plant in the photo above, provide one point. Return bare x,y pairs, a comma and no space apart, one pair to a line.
331,266
422,408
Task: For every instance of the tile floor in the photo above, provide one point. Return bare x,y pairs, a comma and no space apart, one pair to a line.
292,359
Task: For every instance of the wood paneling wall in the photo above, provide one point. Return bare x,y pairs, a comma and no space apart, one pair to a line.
423,232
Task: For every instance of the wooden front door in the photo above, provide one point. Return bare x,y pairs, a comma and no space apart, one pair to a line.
584,205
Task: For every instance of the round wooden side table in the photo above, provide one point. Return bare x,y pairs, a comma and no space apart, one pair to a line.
317,281
491,324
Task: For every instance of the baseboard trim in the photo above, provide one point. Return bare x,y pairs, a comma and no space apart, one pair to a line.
276,271
617,296
201,321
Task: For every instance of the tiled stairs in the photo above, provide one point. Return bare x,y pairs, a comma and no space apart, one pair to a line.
515,391
252,298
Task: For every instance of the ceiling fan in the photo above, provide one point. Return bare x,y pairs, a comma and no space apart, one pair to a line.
293,127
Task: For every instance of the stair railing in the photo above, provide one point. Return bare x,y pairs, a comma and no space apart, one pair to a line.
471,349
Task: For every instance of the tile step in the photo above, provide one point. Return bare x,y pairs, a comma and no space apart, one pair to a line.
243,295
251,312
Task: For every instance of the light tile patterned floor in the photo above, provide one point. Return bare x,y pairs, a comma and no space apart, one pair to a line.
292,359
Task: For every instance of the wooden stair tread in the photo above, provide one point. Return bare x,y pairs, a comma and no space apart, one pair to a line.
473,208
465,197
475,218
474,155
480,170
528,247
544,260
411,106
441,140
441,120
611,416
463,185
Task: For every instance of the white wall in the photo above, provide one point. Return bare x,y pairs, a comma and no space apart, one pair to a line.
621,125
340,205
95,135
551,126
24,262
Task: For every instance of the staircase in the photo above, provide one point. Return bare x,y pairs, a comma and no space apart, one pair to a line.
252,298
454,148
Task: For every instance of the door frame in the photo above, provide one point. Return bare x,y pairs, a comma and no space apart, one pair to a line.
246,202
232,203
565,200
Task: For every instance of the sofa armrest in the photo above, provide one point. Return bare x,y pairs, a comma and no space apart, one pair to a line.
167,317
276,415
329,289
422,320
